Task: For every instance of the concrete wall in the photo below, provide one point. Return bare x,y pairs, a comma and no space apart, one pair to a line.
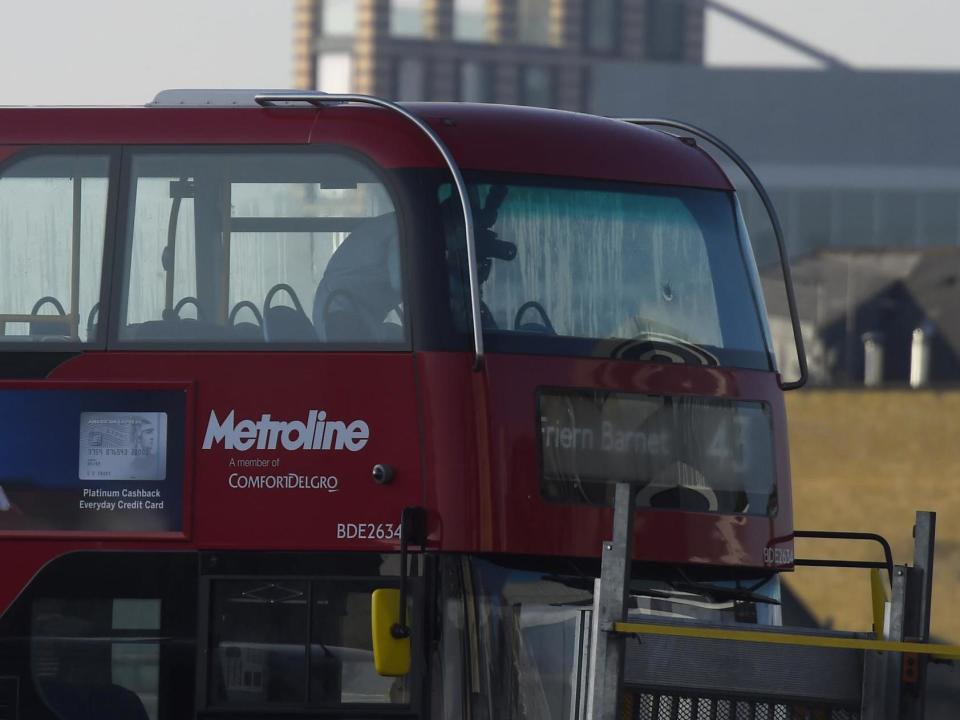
866,461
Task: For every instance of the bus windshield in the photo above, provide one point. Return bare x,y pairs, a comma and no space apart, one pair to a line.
606,269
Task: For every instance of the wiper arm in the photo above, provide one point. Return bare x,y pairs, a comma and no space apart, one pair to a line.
724,593
712,592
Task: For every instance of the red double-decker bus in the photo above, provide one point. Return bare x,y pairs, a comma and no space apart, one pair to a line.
240,337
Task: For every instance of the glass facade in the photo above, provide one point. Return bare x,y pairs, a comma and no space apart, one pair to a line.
601,25
537,86
407,18
338,18
476,82
411,82
534,23
666,30
335,72
470,20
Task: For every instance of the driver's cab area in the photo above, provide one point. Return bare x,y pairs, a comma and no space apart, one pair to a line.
255,247
587,268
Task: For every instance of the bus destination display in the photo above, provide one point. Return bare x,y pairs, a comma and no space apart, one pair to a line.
95,460
684,453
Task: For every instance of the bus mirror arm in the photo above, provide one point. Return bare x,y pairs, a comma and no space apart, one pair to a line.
323,100
412,531
774,222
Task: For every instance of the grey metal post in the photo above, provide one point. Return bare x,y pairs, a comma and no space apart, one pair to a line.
920,593
898,616
917,610
881,672
606,667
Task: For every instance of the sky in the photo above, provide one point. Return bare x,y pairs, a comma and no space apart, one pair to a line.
865,34
123,51
91,52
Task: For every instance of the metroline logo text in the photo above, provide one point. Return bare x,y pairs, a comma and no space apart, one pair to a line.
317,433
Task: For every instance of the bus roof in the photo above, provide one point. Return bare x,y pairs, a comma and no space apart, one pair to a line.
481,137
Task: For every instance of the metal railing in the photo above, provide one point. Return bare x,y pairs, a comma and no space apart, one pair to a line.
774,220
322,100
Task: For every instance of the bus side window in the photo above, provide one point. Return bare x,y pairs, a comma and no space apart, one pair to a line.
106,635
53,211
254,247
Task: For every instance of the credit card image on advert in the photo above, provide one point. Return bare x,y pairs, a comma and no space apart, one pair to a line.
123,446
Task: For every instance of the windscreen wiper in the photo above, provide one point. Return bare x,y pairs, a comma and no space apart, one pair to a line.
711,592
724,593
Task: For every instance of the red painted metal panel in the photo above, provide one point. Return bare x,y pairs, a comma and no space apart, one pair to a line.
466,447
499,138
303,512
9,151
474,464
494,503
553,142
67,126
21,565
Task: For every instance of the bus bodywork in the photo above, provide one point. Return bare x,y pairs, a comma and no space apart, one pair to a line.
237,344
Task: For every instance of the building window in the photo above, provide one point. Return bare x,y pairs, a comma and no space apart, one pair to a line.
335,72
666,30
533,22
407,18
939,218
601,22
536,86
411,81
338,18
476,82
470,20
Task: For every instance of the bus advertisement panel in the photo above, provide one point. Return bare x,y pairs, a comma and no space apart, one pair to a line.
91,459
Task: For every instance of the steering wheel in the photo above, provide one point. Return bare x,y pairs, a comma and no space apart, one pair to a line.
48,300
232,317
286,288
533,305
660,347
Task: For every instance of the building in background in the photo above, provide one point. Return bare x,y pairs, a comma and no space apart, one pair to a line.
865,175
861,164
530,52
874,317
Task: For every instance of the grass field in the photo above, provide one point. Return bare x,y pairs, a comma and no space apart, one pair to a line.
866,460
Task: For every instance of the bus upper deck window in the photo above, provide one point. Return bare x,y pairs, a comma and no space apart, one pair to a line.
259,248
608,269
53,210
